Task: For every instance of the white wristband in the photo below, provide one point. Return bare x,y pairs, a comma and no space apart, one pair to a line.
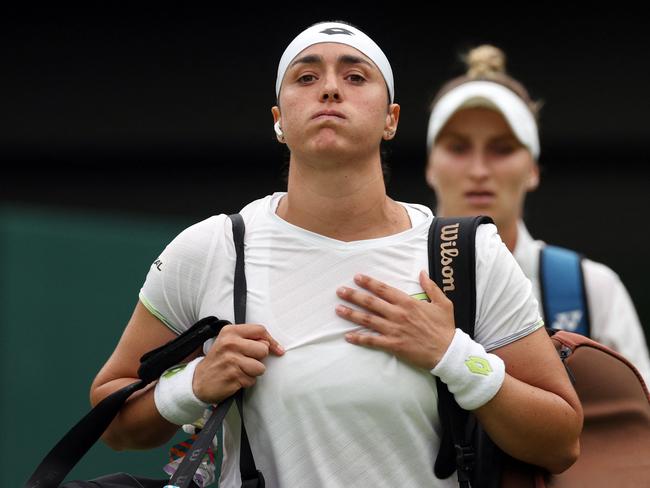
473,375
174,396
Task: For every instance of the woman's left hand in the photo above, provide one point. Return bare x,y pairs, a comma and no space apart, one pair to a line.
415,331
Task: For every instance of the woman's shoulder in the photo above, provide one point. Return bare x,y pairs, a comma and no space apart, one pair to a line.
600,275
217,227
594,271
201,232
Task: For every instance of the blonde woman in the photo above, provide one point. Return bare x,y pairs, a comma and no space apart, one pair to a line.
483,151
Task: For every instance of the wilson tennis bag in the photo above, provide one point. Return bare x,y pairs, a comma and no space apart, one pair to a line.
615,441
464,445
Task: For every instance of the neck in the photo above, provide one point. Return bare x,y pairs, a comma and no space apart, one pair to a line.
508,232
343,200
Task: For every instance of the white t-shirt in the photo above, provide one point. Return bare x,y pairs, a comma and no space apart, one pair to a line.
614,321
328,413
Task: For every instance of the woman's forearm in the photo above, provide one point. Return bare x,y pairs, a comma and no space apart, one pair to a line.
533,425
138,425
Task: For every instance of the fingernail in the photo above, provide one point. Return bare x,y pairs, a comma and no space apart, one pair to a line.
341,291
340,309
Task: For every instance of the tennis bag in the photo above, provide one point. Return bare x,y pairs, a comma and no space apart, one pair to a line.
615,441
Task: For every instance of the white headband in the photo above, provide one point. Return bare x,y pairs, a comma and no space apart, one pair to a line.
491,95
342,34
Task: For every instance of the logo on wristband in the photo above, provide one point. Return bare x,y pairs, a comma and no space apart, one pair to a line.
172,371
478,365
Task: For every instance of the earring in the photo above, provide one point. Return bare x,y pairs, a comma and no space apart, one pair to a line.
389,134
278,131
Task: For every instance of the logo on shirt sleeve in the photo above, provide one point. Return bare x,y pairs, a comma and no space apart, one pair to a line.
421,296
158,264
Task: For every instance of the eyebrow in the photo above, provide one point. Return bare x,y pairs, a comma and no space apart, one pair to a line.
465,137
454,135
317,59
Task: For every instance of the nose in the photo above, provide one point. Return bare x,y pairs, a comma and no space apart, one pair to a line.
478,167
330,89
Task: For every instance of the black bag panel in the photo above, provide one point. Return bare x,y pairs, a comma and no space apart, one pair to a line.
120,480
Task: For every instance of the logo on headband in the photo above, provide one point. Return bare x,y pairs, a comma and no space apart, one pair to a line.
330,31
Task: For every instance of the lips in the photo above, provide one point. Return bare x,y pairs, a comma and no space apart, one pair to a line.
480,198
328,114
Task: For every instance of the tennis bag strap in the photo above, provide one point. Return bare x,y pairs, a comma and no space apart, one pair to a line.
452,266
56,465
250,475
564,299
465,446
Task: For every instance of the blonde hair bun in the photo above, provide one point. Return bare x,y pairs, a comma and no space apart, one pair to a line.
485,61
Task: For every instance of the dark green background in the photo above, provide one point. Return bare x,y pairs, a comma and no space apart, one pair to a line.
69,284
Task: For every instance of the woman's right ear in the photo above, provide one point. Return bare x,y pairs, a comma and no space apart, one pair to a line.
429,176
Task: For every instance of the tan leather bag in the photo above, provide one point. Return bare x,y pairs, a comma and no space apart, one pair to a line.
615,440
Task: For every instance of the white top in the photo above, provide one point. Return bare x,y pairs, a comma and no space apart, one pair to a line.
329,413
614,321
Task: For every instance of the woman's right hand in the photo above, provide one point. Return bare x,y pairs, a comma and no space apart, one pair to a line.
234,361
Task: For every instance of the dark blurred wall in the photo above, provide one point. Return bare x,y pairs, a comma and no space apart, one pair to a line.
162,114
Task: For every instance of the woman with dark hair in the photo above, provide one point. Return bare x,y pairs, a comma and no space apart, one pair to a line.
334,266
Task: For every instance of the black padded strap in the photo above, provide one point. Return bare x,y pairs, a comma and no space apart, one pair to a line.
452,265
452,260
155,362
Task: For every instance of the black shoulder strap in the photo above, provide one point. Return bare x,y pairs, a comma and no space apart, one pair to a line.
56,465
452,265
240,288
250,475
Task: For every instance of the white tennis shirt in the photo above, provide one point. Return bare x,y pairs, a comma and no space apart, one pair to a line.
328,413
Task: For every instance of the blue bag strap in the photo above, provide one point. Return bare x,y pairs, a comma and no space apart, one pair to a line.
564,300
